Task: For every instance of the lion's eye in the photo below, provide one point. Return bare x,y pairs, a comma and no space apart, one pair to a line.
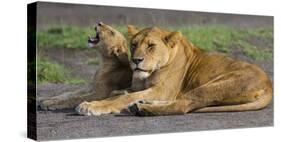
150,46
133,45
112,33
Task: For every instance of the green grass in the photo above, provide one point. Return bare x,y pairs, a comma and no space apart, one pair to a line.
64,37
48,71
210,38
253,51
221,38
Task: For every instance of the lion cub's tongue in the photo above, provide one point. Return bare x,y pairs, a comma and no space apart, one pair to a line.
93,40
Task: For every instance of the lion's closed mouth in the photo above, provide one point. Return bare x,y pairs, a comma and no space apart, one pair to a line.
139,69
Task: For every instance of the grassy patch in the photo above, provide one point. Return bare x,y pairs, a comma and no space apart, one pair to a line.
222,38
64,37
253,51
210,38
48,71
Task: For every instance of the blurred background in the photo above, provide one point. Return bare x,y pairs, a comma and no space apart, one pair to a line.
86,15
63,60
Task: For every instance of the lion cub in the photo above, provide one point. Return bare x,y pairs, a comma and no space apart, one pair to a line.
114,72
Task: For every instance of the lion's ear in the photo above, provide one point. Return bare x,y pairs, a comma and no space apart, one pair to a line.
119,49
116,50
173,38
132,30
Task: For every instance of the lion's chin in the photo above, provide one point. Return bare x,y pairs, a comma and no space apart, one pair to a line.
141,74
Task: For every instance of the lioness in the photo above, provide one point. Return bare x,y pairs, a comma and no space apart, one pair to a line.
179,78
113,74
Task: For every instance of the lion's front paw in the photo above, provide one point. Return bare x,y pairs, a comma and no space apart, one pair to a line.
138,108
85,108
93,108
50,104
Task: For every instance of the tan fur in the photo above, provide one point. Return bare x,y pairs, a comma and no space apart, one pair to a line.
132,30
114,72
177,78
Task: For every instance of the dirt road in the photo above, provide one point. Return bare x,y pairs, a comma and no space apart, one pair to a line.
66,124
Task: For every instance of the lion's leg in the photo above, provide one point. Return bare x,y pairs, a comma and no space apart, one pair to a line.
220,91
114,104
66,100
254,101
261,99
152,108
73,99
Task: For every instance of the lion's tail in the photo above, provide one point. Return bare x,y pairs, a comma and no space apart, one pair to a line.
260,103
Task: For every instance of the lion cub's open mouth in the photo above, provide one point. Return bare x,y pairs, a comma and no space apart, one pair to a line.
93,40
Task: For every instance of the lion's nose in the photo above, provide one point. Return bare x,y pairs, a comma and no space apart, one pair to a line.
100,23
137,60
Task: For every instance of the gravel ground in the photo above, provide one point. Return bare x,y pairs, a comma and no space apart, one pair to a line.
65,124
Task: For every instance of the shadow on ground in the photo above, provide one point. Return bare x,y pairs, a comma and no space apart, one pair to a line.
66,124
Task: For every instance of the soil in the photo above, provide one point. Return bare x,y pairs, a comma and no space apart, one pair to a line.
66,124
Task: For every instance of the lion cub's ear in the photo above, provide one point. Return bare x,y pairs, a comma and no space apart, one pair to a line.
119,49
132,30
173,38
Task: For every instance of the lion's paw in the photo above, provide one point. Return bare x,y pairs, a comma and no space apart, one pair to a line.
89,109
50,104
138,109
85,109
